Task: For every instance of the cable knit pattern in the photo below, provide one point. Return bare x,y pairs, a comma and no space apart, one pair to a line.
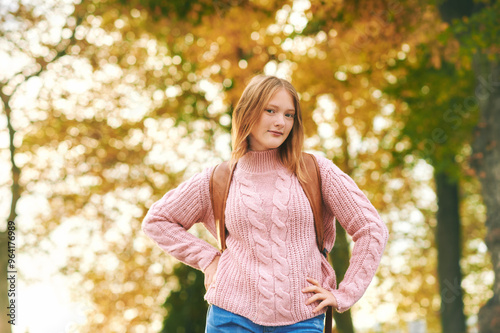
255,215
281,266
271,242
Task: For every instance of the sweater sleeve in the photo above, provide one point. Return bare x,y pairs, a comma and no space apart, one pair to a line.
360,219
168,220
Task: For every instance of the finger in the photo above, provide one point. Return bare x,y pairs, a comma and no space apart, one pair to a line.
315,298
313,281
312,289
321,306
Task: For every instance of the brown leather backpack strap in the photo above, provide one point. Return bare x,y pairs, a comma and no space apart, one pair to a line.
329,319
220,181
312,189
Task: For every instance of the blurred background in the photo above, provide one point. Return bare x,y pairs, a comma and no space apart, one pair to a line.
108,104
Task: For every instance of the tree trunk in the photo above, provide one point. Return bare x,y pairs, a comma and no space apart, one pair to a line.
452,316
448,249
61,49
486,163
5,285
340,261
4,300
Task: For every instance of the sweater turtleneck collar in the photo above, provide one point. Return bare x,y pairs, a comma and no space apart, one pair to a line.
260,161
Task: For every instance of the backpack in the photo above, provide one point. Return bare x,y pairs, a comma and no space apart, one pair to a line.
220,181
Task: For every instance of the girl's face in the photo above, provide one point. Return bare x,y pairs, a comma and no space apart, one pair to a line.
275,123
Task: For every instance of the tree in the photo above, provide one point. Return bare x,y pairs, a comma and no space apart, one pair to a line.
79,143
482,28
350,49
35,59
186,308
475,24
438,134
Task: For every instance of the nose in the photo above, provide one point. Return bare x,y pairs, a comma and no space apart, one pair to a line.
279,121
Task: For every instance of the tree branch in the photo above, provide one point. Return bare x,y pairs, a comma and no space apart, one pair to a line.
41,60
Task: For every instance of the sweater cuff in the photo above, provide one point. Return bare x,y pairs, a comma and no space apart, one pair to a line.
342,306
208,260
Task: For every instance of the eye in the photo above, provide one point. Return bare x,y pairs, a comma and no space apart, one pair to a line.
269,111
290,115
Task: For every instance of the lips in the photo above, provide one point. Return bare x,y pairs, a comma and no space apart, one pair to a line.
275,132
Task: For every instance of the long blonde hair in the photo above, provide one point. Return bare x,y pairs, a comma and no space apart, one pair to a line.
252,102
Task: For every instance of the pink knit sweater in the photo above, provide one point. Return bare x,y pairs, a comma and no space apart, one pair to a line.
271,242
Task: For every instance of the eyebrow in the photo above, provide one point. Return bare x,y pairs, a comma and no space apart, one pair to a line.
275,106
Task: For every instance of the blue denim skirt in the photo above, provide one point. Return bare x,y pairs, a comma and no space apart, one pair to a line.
220,320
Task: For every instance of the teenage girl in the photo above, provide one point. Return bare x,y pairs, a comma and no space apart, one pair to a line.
272,277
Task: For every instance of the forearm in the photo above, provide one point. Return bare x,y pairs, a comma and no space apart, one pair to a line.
168,220
365,258
360,219
179,243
